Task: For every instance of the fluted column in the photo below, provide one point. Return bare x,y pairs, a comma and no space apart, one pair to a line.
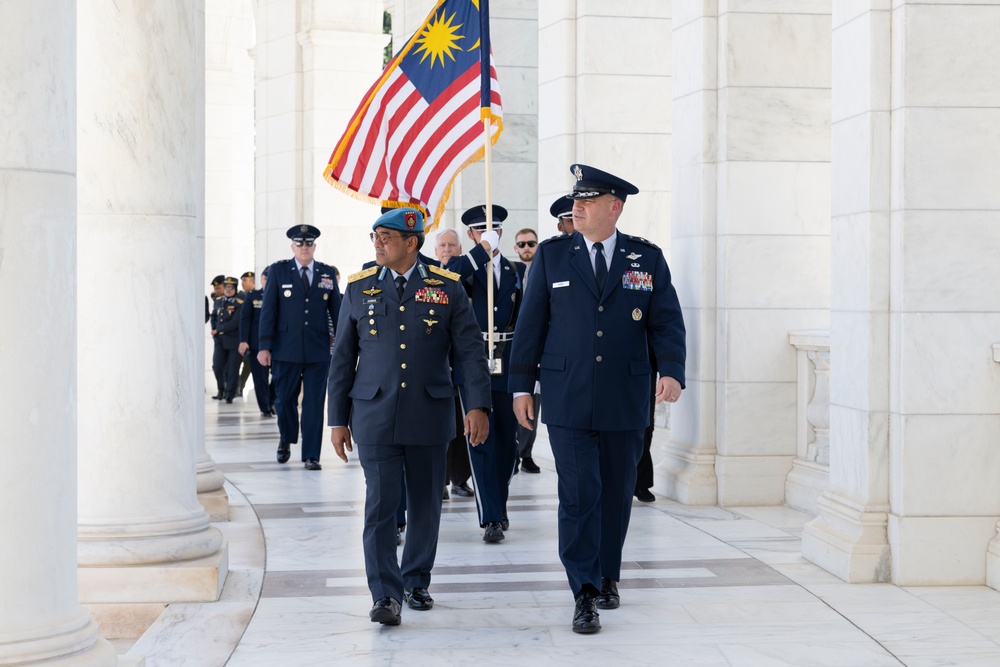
143,535
41,620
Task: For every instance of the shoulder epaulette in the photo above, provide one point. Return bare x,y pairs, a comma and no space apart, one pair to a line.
556,239
239,300
451,275
354,277
639,239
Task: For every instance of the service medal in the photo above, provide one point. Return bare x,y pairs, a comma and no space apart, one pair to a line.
636,314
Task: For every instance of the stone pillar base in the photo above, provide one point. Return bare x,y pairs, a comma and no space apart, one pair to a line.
62,649
751,480
805,484
198,580
848,541
216,504
125,621
687,476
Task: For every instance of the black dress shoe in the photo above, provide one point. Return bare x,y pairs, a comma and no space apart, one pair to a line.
218,397
494,532
418,598
644,495
527,465
386,611
313,464
229,400
266,414
284,452
586,620
505,524
462,490
609,598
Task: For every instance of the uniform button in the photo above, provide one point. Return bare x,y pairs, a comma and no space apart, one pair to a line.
403,385
402,327
403,366
402,346
495,308
432,311
494,328
600,358
600,309
307,299
307,312
305,324
600,333
371,321
402,308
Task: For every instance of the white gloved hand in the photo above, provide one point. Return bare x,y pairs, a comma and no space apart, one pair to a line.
491,238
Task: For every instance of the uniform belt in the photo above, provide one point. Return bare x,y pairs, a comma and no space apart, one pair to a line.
499,336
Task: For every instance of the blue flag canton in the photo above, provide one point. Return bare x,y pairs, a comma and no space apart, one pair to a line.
444,49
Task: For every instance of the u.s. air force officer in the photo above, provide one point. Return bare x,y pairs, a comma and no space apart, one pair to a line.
250,344
596,302
493,464
391,387
300,305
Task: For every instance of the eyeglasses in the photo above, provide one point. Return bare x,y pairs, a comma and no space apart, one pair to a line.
526,244
382,237
305,242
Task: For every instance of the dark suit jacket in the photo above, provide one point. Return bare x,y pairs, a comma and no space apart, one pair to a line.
250,319
297,326
593,350
390,379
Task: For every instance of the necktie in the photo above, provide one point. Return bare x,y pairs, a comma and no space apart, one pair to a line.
400,285
600,267
305,278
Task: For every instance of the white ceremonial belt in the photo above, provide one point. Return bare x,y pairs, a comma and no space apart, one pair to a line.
500,336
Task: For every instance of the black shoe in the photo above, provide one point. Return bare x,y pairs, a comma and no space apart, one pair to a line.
645,496
418,598
494,532
505,524
218,397
229,400
399,533
462,490
445,496
527,465
586,620
266,414
386,611
313,464
609,598
284,452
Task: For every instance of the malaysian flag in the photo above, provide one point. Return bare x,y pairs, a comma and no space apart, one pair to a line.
422,122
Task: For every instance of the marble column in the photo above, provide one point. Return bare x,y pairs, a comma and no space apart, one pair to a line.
41,620
143,536
750,229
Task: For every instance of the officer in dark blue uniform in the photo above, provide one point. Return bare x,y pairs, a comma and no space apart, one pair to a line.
250,345
493,464
562,210
597,301
297,317
228,328
391,384
218,354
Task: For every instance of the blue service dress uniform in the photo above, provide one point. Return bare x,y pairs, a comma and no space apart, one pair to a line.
296,326
218,353
228,327
591,352
493,462
391,382
250,334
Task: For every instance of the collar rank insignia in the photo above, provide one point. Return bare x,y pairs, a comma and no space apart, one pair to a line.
372,291
433,281
632,256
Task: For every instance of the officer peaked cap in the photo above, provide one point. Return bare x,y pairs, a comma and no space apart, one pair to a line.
562,208
230,282
475,217
592,182
403,219
217,280
248,274
302,233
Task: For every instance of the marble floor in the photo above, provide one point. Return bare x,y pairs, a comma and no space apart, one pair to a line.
701,585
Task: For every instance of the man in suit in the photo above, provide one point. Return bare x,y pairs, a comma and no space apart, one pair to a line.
250,345
391,388
598,300
493,464
218,354
228,334
300,307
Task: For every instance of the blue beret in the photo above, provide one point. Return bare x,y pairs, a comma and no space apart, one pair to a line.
475,217
302,232
591,182
562,208
403,219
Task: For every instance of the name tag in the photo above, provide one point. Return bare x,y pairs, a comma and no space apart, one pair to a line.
564,283
288,286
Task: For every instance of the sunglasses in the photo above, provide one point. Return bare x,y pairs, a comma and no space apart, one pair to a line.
307,243
526,244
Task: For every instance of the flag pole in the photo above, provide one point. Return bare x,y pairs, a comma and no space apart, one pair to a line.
489,227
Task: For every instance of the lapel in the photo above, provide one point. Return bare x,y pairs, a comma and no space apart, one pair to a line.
617,268
580,259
